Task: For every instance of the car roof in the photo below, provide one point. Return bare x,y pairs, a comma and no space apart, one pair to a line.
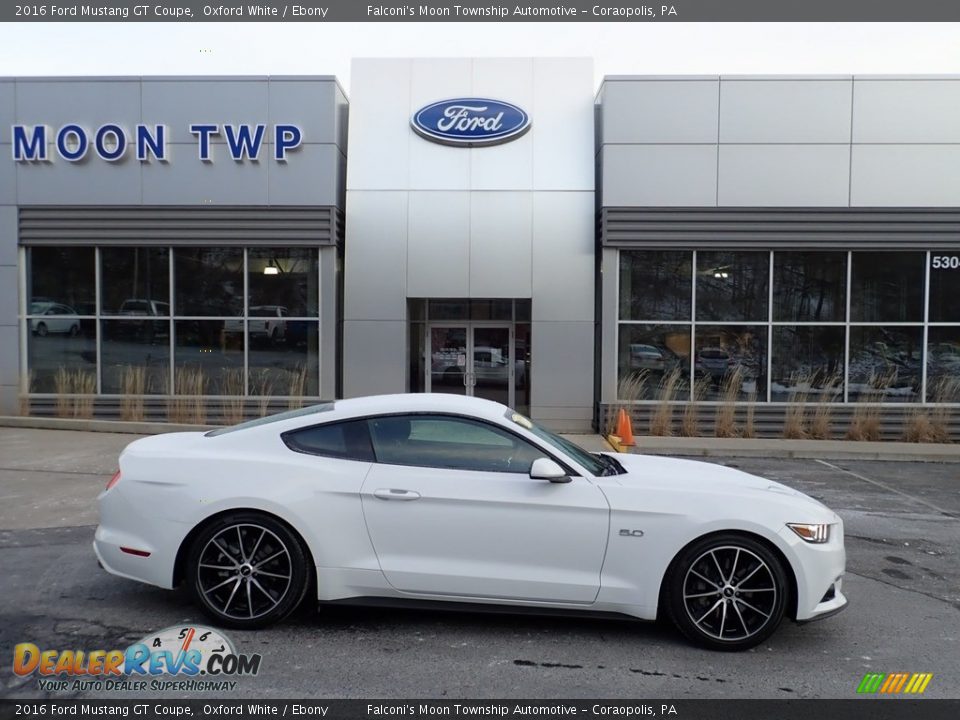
368,406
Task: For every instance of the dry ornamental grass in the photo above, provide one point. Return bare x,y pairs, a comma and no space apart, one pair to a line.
661,421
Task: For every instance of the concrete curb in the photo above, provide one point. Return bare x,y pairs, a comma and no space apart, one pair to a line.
105,426
806,449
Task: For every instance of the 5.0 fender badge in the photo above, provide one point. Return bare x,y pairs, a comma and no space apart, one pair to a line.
631,533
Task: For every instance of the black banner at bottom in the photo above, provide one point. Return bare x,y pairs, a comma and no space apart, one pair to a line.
854,709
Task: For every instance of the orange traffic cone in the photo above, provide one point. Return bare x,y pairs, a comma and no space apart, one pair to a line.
624,428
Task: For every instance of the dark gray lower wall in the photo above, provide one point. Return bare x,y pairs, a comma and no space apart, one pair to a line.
770,420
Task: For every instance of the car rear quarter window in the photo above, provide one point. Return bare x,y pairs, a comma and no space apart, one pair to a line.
342,440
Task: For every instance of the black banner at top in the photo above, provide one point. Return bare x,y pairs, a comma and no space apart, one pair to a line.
486,11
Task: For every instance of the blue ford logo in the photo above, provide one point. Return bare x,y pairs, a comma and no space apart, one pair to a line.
470,122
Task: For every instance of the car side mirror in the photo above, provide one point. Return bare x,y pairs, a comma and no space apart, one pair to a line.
547,469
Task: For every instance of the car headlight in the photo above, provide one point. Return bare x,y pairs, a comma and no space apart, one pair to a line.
817,534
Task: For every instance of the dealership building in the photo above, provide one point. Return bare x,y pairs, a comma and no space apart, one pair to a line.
218,247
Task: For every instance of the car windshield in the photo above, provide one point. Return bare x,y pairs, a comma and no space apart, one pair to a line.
594,464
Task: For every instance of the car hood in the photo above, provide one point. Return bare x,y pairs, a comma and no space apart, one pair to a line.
659,472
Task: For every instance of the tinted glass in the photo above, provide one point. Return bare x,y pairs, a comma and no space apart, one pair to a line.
944,287
346,440
283,357
135,356
62,276
732,285
807,360
448,309
447,442
61,359
649,353
943,364
887,287
655,285
208,281
284,278
208,357
732,354
135,281
885,364
810,286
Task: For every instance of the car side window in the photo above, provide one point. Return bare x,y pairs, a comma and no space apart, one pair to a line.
448,442
343,440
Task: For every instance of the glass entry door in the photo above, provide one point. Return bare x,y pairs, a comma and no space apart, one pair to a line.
472,359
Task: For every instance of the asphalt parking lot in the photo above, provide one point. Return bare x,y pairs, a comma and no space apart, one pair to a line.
903,534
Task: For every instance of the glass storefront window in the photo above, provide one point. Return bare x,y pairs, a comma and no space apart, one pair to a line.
944,287
887,287
61,360
732,286
61,278
885,363
135,356
207,355
727,352
208,281
283,279
135,281
655,285
647,353
809,286
285,363
807,359
943,364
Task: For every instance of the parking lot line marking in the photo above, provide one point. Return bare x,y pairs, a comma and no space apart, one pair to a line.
888,488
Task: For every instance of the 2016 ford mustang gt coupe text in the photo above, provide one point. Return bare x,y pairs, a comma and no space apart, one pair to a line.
446,498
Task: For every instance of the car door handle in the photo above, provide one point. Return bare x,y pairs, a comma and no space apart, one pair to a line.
394,494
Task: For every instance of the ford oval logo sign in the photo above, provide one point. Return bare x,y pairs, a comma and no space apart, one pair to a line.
470,122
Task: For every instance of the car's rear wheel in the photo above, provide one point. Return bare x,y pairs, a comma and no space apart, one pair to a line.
247,570
42,329
727,592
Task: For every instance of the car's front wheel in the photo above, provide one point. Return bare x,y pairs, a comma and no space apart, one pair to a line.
247,570
727,592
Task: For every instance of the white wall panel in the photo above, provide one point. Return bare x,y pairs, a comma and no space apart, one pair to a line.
438,244
905,175
375,357
380,132
508,166
665,175
434,166
563,246
500,244
563,357
375,261
660,111
563,108
906,111
785,111
784,175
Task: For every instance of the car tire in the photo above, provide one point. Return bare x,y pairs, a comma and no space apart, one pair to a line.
247,570
727,592
74,330
42,329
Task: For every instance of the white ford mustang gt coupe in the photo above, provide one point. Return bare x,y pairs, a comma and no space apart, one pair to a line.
453,499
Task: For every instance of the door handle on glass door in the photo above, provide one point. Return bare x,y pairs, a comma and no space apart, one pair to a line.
395,494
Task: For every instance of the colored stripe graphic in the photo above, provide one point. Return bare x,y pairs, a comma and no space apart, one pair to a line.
895,683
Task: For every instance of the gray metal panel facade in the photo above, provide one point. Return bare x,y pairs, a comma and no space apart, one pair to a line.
876,229
180,200
253,227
